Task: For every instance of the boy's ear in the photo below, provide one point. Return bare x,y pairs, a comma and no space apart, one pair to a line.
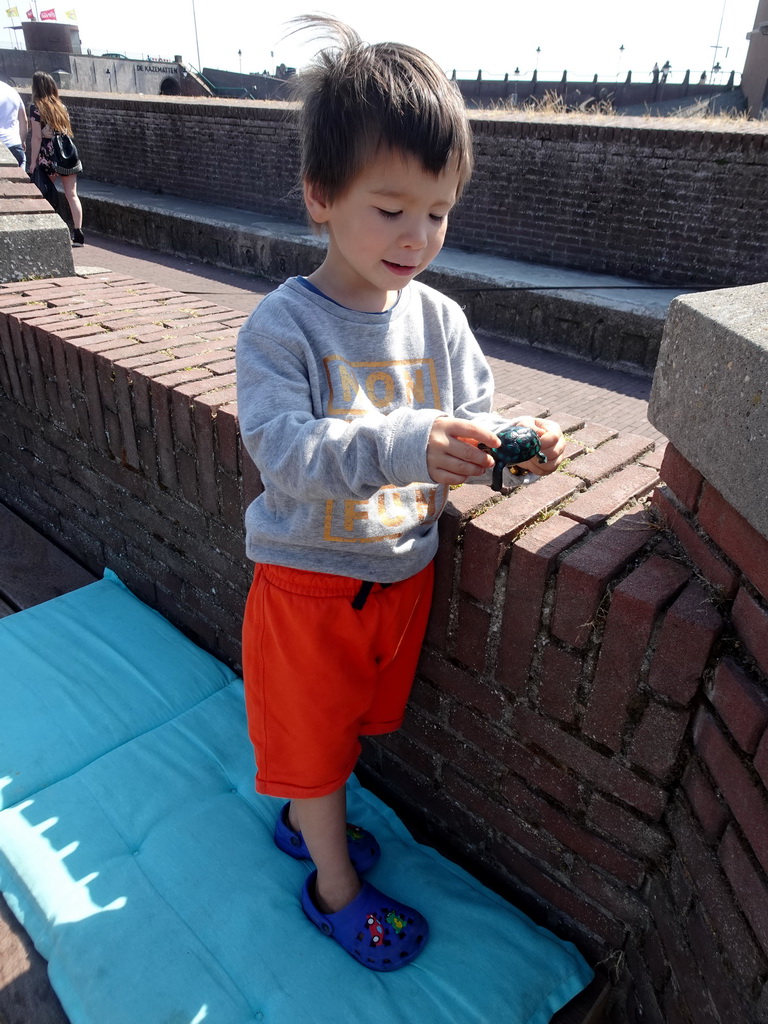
316,203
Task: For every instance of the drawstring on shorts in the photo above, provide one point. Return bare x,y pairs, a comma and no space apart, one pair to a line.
366,586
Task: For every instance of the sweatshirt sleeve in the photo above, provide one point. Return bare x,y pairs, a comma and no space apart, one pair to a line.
310,456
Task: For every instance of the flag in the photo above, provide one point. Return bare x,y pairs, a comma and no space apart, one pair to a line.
48,15
31,14
71,15
12,12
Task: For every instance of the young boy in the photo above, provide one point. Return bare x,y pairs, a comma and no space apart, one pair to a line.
362,398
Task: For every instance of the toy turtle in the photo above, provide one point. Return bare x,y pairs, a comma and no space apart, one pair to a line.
518,444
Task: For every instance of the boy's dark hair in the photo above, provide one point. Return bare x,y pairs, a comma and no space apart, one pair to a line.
359,98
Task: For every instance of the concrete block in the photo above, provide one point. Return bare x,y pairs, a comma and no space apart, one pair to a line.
710,392
34,241
34,245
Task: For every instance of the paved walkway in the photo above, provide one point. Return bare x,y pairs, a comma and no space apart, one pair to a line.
562,383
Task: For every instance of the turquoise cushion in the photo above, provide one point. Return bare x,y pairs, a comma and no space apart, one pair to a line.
136,853
85,672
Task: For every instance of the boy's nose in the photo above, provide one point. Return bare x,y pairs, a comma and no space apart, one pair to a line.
414,233
414,237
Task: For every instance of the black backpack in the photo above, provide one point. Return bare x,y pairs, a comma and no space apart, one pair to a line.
65,156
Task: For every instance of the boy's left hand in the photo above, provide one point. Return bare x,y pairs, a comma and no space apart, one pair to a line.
552,445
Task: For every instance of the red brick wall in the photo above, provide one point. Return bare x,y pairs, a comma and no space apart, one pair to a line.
590,724
588,730
120,439
671,201
18,195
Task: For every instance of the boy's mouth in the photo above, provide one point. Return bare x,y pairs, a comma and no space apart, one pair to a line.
400,268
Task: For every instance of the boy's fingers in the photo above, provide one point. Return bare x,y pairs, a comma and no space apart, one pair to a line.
444,477
466,430
548,430
462,469
470,454
450,469
540,425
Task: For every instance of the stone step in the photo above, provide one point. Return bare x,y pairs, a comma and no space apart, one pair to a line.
33,569
611,320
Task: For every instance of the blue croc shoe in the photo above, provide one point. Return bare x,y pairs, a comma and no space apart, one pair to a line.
364,850
380,933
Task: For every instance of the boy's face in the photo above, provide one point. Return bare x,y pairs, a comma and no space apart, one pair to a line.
386,228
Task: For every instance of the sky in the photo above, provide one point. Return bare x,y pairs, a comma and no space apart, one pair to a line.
585,37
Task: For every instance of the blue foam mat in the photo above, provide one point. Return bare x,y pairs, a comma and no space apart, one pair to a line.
136,853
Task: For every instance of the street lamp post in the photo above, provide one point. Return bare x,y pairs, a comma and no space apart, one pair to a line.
665,69
717,45
197,41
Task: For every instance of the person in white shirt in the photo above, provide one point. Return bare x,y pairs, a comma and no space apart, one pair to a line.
13,122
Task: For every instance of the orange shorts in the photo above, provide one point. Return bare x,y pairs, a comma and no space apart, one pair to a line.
319,673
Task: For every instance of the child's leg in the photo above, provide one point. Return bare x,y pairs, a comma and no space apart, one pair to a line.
314,663
322,822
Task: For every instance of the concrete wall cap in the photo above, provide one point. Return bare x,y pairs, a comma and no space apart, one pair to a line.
34,245
710,392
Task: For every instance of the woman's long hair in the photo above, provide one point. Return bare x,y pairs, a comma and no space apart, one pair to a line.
45,96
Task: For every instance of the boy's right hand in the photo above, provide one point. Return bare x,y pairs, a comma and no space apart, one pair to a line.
451,453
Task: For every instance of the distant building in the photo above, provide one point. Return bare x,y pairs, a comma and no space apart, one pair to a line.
252,85
754,81
111,72
658,97
56,48
50,35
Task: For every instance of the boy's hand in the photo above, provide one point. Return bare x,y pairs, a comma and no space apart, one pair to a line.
552,445
450,458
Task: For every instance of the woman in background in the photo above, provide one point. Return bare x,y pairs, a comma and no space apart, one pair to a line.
47,115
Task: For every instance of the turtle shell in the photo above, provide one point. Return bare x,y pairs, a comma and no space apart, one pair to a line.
518,444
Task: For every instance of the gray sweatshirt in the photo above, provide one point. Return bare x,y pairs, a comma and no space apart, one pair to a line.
336,408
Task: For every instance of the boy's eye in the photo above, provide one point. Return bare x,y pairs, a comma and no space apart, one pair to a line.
389,214
438,217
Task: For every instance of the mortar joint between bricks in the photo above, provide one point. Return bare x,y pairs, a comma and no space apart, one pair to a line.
728,646
608,476
452,627
637,704
672,780
747,763
497,612
586,679
646,776
716,593
644,506
563,875
644,694
543,640
596,624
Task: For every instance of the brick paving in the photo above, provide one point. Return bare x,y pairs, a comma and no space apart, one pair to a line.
568,385
560,383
